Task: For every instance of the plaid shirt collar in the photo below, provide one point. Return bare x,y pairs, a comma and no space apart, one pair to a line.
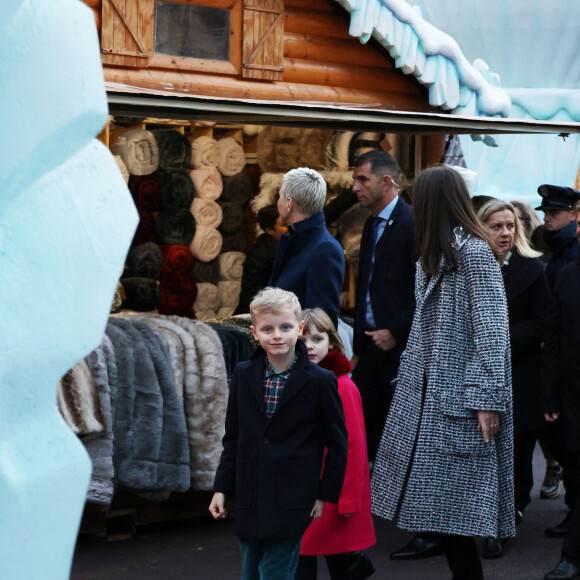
274,383
270,371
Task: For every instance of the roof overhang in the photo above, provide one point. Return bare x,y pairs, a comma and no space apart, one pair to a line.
136,102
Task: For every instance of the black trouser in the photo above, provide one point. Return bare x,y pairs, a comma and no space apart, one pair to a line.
571,547
461,554
524,443
373,375
337,567
553,437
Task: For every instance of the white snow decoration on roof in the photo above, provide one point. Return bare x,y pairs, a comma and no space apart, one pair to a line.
432,56
546,104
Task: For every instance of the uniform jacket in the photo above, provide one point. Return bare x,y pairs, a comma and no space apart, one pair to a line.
528,296
393,277
433,471
310,263
333,533
564,248
561,356
273,467
257,270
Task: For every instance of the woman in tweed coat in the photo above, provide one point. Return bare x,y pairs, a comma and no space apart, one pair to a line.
445,463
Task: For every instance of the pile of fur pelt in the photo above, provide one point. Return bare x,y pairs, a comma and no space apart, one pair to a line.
149,404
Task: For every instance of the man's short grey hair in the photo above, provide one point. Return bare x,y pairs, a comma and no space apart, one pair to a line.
306,188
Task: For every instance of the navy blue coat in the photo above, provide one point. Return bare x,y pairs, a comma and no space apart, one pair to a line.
564,248
273,467
392,285
310,263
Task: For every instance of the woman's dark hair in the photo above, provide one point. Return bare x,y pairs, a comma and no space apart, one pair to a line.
440,204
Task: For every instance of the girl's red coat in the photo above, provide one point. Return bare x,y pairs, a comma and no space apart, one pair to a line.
334,533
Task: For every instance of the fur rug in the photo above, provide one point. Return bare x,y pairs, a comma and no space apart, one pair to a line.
207,298
138,150
205,152
206,212
208,182
233,217
103,369
229,292
144,260
79,403
175,227
205,404
232,157
206,244
206,271
178,189
235,242
174,149
237,188
149,425
231,265
122,168
141,294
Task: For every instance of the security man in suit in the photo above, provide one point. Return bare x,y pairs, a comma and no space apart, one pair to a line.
385,287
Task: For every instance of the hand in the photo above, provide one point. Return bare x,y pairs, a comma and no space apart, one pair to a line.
383,339
317,509
488,422
354,360
216,507
551,417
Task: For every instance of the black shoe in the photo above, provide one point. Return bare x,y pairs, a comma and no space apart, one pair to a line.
492,548
418,547
564,571
559,530
360,566
553,482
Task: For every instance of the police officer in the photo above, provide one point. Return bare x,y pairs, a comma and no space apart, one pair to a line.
560,227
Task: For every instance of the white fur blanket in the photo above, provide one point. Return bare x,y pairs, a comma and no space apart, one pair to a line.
207,298
206,244
350,226
229,292
270,184
139,151
205,152
231,265
205,403
206,212
232,157
79,403
208,182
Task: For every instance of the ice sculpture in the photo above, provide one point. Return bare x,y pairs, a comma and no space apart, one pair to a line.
66,221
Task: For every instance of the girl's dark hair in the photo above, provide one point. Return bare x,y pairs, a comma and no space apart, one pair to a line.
440,204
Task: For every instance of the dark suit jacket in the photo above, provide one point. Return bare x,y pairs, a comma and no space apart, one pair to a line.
272,467
392,284
560,360
310,263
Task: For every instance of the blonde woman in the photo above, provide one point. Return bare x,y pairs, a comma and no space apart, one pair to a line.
527,295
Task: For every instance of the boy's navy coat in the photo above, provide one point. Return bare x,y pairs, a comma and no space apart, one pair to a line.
273,466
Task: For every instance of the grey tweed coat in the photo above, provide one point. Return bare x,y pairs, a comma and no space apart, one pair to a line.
433,471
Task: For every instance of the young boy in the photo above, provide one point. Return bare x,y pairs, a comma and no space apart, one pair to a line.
282,412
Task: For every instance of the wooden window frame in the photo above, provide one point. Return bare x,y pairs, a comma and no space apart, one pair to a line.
233,67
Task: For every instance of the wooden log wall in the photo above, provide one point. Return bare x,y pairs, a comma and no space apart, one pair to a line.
321,63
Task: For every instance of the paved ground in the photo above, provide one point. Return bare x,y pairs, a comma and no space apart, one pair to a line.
202,549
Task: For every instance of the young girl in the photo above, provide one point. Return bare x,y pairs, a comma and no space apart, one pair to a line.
348,526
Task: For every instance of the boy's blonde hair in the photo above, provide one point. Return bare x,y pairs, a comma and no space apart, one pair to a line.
317,318
275,300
